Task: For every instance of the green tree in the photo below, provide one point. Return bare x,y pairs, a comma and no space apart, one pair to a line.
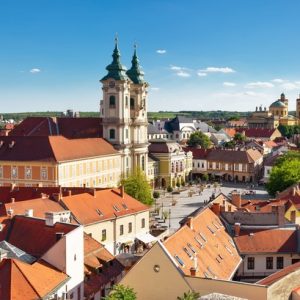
239,137
285,173
198,138
137,186
190,295
121,292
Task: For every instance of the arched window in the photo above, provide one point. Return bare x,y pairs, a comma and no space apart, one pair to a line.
131,103
126,101
112,102
112,134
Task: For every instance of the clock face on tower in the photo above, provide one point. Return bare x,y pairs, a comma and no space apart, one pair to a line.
111,84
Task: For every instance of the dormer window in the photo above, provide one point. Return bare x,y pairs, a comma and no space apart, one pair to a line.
116,208
124,205
99,212
203,237
180,261
112,102
190,255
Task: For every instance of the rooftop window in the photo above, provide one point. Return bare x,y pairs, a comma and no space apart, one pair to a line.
190,255
206,275
210,229
99,212
192,248
211,272
199,242
203,237
116,208
216,226
231,242
180,261
124,205
228,249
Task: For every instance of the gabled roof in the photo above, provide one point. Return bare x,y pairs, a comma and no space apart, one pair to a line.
279,275
234,156
163,146
14,252
198,153
67,127
205,237
34,236
20,280
52,148
267,241
106,204
257,132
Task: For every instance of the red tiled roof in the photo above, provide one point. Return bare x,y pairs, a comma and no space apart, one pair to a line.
267,241
20,280
84,206
34,236
198,153
39,206
230,131
256,205
67,127
234,156
257,132
96,256
279,275
52,148
217,257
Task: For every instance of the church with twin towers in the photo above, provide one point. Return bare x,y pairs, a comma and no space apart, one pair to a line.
123,110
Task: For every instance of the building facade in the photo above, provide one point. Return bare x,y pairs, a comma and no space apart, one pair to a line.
124,112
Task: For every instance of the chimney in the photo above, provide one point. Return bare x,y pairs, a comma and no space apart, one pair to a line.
237,229
3,254
29,212
70,192
294,191
293,216
122,191
189,222
44,196
94,192
229,207
12,186
12,200
236,199
193,271
216,208
280,215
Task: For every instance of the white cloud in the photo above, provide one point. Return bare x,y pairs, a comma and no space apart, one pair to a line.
35,70
201,74
155,89
176,68
290,85
259,84
278,80
218,70
229,84
183,74
161,51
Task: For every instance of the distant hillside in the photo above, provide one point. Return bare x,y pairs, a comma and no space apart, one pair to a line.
203,115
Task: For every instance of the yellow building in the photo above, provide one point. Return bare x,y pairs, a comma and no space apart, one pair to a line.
175,165
277,114
56,160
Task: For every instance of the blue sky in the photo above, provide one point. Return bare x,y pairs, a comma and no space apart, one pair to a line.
196,54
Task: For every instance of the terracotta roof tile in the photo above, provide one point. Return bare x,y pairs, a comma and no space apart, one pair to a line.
217,257
280,274
20,280
267,241
234,156
67,127
52,148
198,153
89,209
257,132
25,230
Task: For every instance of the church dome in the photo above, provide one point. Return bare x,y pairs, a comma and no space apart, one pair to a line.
278,104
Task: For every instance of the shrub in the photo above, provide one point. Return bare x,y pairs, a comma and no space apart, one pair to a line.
169,189
156,194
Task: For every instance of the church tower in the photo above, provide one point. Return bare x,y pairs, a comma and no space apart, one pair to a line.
138,115
123,112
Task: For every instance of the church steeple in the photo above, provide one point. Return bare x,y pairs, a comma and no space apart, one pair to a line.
135,73
116,70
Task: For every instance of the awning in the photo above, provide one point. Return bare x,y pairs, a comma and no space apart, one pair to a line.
146,238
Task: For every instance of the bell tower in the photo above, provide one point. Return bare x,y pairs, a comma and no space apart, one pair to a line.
124,112
115,110
138,115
